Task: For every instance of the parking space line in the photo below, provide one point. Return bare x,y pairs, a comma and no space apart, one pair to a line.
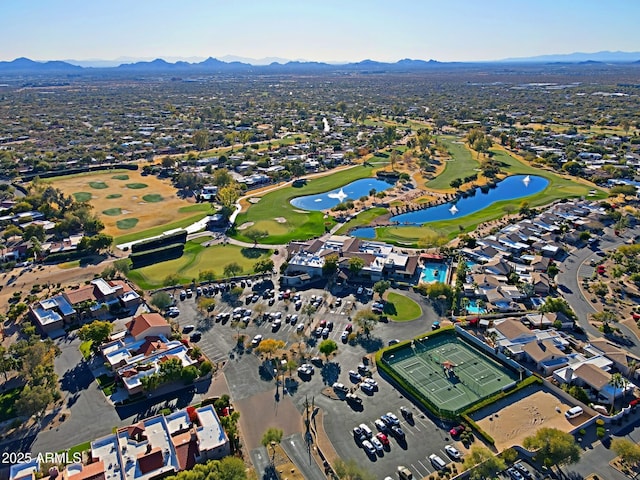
423,466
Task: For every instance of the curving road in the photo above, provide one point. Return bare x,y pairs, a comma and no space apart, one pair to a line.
577,266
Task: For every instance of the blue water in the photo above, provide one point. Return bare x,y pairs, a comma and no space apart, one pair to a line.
363,232
352,191
473,307
510,188
433,272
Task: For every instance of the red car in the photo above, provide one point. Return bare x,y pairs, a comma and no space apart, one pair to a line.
457,430
383,439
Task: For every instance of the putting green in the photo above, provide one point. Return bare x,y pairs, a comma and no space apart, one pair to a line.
98,185
126,223
136,186
400,308
123,176
82,196
271,226
114,195
112,212
152,198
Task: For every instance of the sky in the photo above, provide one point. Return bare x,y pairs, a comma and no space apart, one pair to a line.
320,30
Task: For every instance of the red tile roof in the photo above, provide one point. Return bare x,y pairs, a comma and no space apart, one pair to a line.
148,462
145,321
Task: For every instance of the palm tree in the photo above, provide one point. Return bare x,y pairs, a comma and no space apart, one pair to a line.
618,382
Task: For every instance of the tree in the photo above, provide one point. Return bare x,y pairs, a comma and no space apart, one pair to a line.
161,300
553,447
122,265
263,266
189,374
222,177
618,382
96,332
381,286
33,400
355,265
327,347
628,451
270,346
232,269
206,304
366,320
272,437
228,195
350,470
330,264
171,370
557,304
201,139
254,235
482,463
7,362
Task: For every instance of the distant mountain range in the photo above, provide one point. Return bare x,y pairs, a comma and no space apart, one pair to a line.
277,65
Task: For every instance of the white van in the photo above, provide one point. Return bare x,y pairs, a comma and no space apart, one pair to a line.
573,412
367,431
437,462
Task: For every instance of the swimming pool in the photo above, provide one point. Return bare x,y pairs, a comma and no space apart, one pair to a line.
433,272
473,307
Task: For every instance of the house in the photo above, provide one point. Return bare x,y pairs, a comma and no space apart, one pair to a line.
208,193
511,330
24,471
545,355
541,283
52,314
497,266
147,325
624,361
212,440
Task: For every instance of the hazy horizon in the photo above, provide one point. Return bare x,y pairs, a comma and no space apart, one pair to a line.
329,31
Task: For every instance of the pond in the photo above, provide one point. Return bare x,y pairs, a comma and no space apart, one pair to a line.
511,188
352,191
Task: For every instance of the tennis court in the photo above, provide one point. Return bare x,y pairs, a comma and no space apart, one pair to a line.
450,373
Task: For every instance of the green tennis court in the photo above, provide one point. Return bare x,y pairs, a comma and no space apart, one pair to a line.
449,372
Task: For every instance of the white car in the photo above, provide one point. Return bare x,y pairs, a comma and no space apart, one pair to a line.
377,444
305,369
371,382
355,375
393,419
256,340
277,315
300,327
370,449
453,452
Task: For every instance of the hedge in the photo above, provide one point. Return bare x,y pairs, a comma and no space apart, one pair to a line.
149,257
27,177
162,241
69,256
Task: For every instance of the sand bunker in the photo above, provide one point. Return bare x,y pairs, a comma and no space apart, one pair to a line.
280,220
253,200
245,225
301,211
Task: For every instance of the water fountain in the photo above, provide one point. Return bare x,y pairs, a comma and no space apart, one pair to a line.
453,209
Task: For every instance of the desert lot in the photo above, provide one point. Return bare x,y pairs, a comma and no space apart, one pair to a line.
127,201
509,421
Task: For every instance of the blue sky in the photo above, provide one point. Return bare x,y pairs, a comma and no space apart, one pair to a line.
325,30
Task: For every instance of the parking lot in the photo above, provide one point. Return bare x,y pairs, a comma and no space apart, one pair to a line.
217,341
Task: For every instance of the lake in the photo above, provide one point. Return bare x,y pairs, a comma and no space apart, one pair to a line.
352,191
511,188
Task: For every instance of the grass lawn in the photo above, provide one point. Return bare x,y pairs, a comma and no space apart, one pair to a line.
152,198
82,196
8,403
123,176
400,308
112,211
85,349
98,185
126,223
81,447
152,232
462,164
363,219
196,259
136,186
113,195
299,225
197,207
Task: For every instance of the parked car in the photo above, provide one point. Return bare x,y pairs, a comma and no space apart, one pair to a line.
353,375
367,388
437,462
393,419
453,452
397,432
406,413
195,336
339,387
344,337
305,369
256,340
372,382
457,430
325,332
370,449
380,425
514,474
188,328
377,444
383,438
300,328
523,470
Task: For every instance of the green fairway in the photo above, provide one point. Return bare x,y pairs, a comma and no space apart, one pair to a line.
126,223
559,187
197,207
113,195
298,225
112,211
136,186
123,176
400,308
461,164
195,259
363,219
152,198
82,196
98,185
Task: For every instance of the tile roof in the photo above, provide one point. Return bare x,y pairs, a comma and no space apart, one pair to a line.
592,375
144,321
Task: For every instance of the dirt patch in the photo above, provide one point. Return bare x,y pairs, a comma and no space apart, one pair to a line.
245,225
280,220
520,417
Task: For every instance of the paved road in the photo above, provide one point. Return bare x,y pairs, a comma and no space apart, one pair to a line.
577,266
296,448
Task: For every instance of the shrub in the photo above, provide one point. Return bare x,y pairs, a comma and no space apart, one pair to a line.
600,432
600,422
